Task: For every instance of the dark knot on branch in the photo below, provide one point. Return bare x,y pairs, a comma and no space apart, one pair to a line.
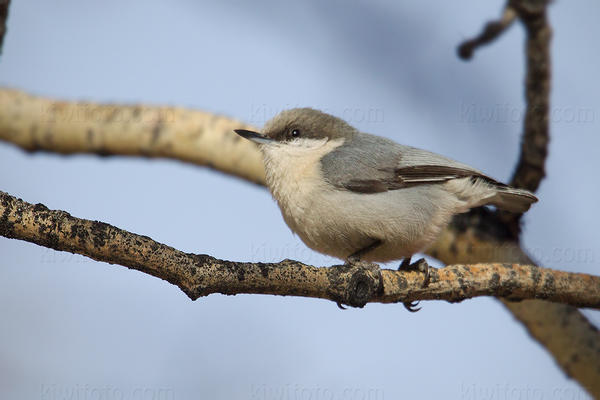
355,284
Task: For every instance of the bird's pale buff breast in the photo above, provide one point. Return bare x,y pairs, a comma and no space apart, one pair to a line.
337,222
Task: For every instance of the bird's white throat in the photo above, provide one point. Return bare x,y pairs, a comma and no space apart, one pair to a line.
293,169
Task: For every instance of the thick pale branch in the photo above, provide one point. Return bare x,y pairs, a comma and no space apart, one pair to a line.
355,285
39,124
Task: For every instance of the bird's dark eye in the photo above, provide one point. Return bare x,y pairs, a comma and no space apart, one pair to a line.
295,133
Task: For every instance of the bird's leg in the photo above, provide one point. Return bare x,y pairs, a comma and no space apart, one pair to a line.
405,264
357,255
419,266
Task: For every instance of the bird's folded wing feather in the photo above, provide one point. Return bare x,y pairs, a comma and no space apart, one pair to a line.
371,164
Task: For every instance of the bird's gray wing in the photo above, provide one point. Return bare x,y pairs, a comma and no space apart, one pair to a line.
372,164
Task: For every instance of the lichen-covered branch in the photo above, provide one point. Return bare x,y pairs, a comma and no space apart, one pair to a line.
40,124
354,285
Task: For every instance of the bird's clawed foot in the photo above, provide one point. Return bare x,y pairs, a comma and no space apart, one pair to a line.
418,266
411,306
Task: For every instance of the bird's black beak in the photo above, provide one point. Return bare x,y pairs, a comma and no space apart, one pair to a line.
254,136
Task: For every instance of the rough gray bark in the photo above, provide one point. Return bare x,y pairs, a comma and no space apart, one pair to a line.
354,285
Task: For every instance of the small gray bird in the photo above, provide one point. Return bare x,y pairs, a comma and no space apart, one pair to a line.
357,196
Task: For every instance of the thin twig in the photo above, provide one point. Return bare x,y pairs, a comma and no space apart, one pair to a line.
530,169
491,31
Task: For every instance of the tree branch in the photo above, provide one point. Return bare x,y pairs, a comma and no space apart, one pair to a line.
39,124
355,285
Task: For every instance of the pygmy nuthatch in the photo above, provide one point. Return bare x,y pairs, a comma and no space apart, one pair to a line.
357,196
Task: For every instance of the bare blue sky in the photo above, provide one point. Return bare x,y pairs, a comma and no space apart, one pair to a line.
78,329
